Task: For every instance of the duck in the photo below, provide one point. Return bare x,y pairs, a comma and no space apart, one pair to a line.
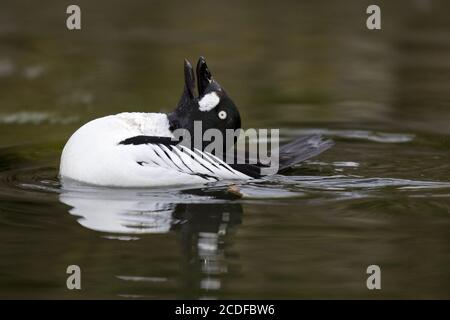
140,149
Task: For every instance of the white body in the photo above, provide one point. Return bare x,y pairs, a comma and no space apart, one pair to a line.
93,155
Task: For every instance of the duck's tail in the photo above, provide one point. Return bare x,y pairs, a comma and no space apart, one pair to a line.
302,149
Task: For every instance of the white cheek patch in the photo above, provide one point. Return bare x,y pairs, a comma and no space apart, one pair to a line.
209,102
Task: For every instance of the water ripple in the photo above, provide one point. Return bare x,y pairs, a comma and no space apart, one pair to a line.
37,117
374,136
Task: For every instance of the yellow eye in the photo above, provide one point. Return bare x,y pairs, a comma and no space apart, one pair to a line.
222,115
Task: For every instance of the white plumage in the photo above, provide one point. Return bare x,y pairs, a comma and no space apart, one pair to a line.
208,102
94,155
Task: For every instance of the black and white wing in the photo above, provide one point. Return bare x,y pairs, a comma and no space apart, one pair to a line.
162,152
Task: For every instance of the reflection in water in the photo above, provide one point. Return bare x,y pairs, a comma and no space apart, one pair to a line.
202,226
121,215
203,238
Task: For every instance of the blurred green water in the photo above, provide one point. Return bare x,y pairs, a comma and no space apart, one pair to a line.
382,95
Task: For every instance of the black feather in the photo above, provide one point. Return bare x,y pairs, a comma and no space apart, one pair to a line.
302,149
251,170
136,140
299,150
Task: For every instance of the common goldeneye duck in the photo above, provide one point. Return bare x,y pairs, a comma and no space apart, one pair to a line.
141,150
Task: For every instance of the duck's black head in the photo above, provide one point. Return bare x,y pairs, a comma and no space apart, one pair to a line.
213,107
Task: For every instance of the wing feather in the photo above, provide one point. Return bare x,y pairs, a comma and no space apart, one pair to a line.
157,153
